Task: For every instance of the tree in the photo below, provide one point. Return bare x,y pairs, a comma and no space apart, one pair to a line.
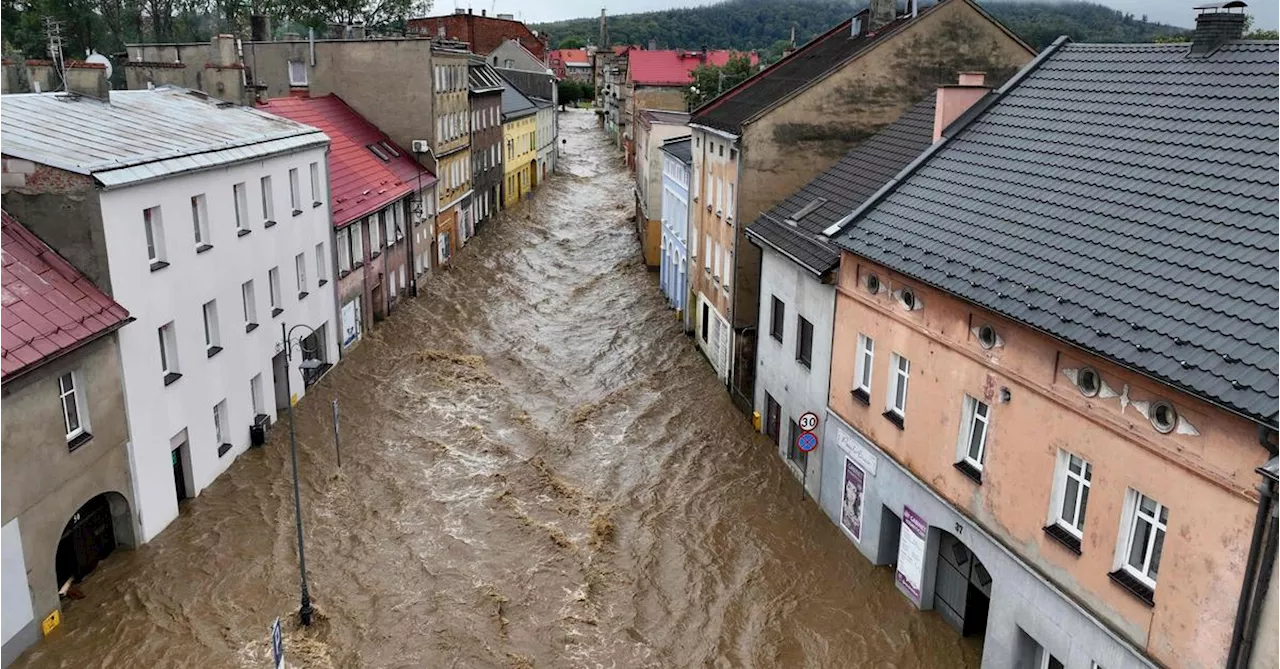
571,42
570,91
709,81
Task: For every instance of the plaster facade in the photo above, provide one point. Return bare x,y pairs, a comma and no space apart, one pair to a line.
45,481
520,151
797,387
716,168
1202,471
674,272
650,134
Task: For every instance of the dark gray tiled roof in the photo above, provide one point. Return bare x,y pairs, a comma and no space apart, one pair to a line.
514,103
680,149
532,84
1122,198
854,178
792,74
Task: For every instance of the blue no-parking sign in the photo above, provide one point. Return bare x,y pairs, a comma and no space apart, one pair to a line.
807,441
277,644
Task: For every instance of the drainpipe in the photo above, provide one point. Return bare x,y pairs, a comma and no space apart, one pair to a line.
1262,557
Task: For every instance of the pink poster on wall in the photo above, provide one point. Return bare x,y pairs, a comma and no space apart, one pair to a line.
911,547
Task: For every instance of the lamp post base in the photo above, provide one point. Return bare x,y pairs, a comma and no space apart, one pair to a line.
306,613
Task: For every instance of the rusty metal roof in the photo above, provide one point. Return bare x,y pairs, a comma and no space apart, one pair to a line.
145,134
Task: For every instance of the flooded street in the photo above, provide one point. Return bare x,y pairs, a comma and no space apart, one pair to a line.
539,470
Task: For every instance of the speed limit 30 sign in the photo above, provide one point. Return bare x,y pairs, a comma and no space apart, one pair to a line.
808,422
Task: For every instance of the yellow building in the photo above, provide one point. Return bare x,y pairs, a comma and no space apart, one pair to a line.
519,144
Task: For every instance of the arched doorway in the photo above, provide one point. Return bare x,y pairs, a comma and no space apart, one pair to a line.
95,530
962,588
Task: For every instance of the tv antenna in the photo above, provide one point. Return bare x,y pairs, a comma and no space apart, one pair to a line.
53,35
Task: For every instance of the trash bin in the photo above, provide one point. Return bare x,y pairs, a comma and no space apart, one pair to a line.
258,431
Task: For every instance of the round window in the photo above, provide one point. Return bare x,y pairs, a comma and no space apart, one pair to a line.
1089,382
873,284
1163,417
908,299
987,336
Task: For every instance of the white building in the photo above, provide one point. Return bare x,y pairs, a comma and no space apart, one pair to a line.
797,284
547,138
210,223
677,163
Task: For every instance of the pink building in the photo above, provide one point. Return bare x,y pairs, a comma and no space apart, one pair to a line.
1054,366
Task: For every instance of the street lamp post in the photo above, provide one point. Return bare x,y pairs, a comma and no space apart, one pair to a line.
305,612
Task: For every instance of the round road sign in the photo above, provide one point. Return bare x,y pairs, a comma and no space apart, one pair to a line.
807,441
809,421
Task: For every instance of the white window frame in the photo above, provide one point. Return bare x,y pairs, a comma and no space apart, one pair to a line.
240,199
211,336
297,73
864,364
1084,481
200,219
273,288
256,404
1133,514
899,373
315,184
249,303
300,267
375,233
153,227
344,250
974,414
357,243
220,429
295,191
75,380
321,263
268,200
168,349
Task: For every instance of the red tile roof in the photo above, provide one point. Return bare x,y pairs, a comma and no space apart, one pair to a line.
578,56
674,68
360,182
49,308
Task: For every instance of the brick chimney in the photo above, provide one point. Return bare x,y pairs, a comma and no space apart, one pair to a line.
222,51
882,13
1216,25
87,79
955,99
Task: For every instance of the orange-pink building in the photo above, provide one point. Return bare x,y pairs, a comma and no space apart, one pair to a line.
1054,359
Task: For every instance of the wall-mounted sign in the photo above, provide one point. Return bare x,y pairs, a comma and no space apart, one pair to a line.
911,546
808,421
862,455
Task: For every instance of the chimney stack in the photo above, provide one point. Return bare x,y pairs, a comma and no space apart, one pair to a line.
955,99
87,79
653,44
1216,25
260,28
882,13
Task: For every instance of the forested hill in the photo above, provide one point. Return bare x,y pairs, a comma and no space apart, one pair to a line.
761,24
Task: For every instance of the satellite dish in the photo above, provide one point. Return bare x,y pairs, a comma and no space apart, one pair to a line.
101,60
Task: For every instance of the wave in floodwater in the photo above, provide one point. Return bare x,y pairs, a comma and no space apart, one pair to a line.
539,470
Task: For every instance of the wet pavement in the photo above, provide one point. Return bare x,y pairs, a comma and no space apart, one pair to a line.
539,470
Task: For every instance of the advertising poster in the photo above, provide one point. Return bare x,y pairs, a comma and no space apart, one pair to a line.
911,544
350,322
851,505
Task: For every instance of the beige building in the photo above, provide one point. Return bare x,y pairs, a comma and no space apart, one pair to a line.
67,488
654,128
763,139
452,147
1047,410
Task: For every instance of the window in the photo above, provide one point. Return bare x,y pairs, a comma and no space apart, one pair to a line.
729,205
987,337
862,367
777,320
707,253
200,222
73,409
295,192
220,430
1164,418
321,263
211,338
1071,493
297,73
154,229
794,454
1088,381
706,321
273,287
375,233
974,422
255,396
1148,520
250,306
804,341
169,353
300,265
344,251
898,378
357,243
242,209
315,185
268,202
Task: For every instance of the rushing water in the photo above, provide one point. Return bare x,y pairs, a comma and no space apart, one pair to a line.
539,470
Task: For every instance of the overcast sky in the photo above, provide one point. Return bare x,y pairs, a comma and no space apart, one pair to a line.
1176,12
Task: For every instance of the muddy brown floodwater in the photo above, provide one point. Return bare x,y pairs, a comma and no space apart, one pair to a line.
539,470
